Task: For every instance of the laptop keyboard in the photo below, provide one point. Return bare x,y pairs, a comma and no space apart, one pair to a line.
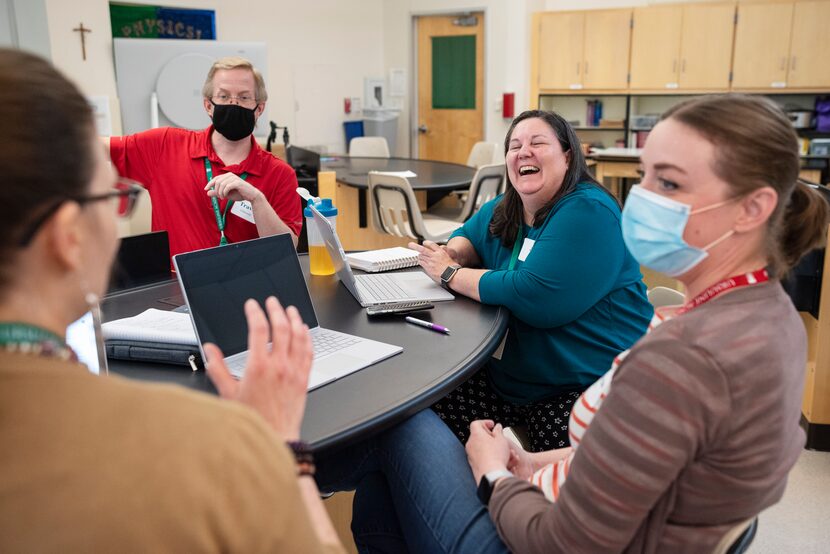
327,342
380,288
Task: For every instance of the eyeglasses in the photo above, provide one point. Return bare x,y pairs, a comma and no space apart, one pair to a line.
242,99
123,198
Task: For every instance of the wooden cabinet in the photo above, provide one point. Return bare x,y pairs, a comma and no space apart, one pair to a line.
743,45
706,46
762,45
561,37
583,50
684,47
655,47
607,44
809,64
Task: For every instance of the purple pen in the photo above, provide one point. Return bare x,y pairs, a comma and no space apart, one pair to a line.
428,325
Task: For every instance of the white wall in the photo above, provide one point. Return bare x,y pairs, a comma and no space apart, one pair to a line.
318,53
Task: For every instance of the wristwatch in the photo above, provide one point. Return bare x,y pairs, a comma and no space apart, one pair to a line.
488,482
448,274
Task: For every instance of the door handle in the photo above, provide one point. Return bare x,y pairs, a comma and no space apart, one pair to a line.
683,66
422,129
674,66
586,68
792,66
783,64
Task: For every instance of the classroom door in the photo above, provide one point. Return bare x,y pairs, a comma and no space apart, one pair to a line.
450,86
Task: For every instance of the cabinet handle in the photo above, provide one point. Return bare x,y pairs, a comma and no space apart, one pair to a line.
793,64
577,68
783,64
586,68
683,66
674,66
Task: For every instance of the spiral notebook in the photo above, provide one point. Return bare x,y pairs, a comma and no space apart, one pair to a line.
385,259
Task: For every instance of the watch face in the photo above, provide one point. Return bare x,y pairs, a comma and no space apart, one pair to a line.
448,273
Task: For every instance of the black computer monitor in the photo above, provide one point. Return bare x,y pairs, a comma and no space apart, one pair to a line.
141,260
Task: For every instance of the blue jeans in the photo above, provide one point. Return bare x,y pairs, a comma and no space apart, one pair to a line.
415,491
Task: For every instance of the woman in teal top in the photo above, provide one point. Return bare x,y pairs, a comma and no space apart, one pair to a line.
553,254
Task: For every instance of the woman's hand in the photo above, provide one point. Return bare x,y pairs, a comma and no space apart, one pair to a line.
487,448
520,463
276,379
433,258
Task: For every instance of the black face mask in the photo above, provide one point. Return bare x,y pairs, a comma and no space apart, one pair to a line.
232,121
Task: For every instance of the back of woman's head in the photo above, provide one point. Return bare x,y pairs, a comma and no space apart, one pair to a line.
508,214
757,147
45,136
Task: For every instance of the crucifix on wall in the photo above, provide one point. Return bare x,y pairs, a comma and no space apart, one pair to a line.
83,30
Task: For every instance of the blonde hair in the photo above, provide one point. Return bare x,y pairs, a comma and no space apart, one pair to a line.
235,62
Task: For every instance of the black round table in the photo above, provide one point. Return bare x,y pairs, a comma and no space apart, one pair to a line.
430,175
369,400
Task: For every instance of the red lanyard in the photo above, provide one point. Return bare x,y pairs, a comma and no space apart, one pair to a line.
747,280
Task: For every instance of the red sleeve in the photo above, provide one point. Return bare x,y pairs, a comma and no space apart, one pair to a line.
284,199
134,156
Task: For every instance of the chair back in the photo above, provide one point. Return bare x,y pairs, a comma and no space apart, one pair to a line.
395,209
486,185
369,147
484,153
664,296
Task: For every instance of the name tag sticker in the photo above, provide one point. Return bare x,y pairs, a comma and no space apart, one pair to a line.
244,210
527,246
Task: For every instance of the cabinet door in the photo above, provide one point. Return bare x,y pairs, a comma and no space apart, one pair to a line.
655,47
607,46
560,50
762,45
706,46
809,64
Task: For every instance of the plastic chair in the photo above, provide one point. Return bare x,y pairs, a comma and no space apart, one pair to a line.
664,296
395,211
369,147
738,538
486,185
484,153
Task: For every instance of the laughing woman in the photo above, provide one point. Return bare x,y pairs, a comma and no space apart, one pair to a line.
551,251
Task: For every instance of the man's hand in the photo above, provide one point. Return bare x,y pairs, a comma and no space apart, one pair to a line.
487,448
433,258
276,378
232,187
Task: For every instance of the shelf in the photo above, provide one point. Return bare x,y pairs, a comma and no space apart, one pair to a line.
812,133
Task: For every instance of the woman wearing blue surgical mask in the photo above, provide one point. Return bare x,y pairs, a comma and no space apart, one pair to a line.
694,429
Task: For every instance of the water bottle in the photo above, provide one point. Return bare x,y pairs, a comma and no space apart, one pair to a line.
320,261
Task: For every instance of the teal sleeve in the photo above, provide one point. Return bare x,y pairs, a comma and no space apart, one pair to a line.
574,263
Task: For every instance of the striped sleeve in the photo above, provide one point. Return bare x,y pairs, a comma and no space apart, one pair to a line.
668,400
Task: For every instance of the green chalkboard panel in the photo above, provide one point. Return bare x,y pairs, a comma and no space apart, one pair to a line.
454,73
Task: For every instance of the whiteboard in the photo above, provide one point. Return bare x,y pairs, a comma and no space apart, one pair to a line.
175,70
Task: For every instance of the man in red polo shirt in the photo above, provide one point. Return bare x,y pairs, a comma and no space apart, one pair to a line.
214,186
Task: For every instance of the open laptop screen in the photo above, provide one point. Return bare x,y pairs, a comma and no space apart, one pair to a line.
217,282
85,339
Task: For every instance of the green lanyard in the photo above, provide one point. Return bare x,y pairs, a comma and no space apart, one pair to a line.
220,215
517,247
17,333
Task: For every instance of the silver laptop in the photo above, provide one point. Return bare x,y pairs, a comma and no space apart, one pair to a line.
86,339
383,288
216,282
